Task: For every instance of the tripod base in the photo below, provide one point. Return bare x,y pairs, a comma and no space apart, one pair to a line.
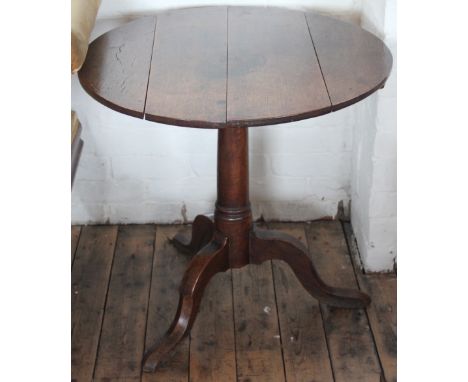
212,256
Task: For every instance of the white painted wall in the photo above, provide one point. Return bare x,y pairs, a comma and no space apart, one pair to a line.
374,185
124,8
135,171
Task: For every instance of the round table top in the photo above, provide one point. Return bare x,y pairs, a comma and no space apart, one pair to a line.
215,67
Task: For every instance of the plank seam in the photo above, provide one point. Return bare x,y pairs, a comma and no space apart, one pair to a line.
76,247
273,279
149,295
234,321
327,343
332,367
278,319
382,371
318,60
105,302
150,64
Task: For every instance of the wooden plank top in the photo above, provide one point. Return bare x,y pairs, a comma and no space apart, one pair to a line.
354,62
188,71
273,73
116,69
215,67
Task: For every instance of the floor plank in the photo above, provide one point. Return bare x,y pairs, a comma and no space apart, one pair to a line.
382,312
168,269
258,343
90,278
305,349
349,338
123,332
75,236
382,317
212,343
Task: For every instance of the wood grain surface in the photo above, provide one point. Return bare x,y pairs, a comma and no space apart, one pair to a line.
383,319
258,341
273,73
354,62
90,280
352,350
212,343
305,348
382,313
215,67
168,269
117,65
75,236
355,340
123,331
188,71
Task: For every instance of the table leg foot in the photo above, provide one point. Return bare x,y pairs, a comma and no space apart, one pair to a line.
202,232
274,245
211,259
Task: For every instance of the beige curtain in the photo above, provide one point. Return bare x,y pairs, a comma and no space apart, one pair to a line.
83,17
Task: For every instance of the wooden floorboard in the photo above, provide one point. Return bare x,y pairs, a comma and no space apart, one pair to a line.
123,332
350,342
258,342
255,324
305,349
168,268
382,312
382,315
90,280
212,342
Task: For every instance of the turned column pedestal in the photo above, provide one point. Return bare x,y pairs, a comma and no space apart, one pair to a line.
233,242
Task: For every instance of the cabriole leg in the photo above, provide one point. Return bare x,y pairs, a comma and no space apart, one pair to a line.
213,258
273,245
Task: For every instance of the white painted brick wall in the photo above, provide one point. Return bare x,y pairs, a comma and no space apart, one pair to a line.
122,8
135,171
374,183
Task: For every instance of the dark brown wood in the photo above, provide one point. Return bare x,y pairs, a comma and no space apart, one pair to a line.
274,245
354,62
90,279
233,216
209,261
216,67
202,233
187,84
123,331
304,344
168,269
75,236
349,338
273,73
116,68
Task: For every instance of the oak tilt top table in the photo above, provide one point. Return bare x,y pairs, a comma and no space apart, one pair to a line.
230,68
